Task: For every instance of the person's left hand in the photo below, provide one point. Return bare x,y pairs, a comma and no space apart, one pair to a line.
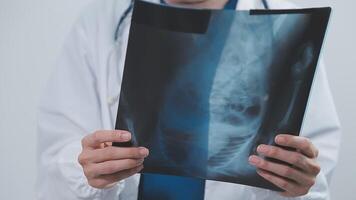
295,179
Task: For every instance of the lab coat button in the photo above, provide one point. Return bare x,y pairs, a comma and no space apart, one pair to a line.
110,100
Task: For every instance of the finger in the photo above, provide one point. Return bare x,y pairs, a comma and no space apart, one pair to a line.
282,183
111,153
95,139
111,167
107,144
282,171
117,153
294,158
106,181
301,143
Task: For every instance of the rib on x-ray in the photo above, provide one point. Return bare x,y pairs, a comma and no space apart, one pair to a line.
203,88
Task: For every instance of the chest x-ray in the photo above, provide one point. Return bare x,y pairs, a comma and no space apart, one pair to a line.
203,88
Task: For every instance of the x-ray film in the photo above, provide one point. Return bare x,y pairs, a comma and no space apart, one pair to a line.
203,88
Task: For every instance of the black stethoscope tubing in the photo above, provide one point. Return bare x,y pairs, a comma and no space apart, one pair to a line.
129,8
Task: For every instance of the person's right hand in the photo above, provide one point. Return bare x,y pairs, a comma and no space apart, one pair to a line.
103,164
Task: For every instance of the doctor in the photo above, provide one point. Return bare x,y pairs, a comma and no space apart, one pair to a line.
78,110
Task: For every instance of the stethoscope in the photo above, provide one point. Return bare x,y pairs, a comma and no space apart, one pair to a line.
129,9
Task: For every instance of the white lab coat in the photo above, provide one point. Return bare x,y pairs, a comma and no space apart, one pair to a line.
82,97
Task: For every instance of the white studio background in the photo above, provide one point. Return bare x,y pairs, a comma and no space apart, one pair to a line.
31,34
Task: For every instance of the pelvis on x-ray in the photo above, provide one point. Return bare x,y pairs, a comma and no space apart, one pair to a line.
203,88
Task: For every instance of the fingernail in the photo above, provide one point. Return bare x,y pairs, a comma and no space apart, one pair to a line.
280,139
262,148
126,135
254,160
260,172
144,151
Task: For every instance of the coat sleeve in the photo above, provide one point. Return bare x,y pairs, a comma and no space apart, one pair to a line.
69,109
322,126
